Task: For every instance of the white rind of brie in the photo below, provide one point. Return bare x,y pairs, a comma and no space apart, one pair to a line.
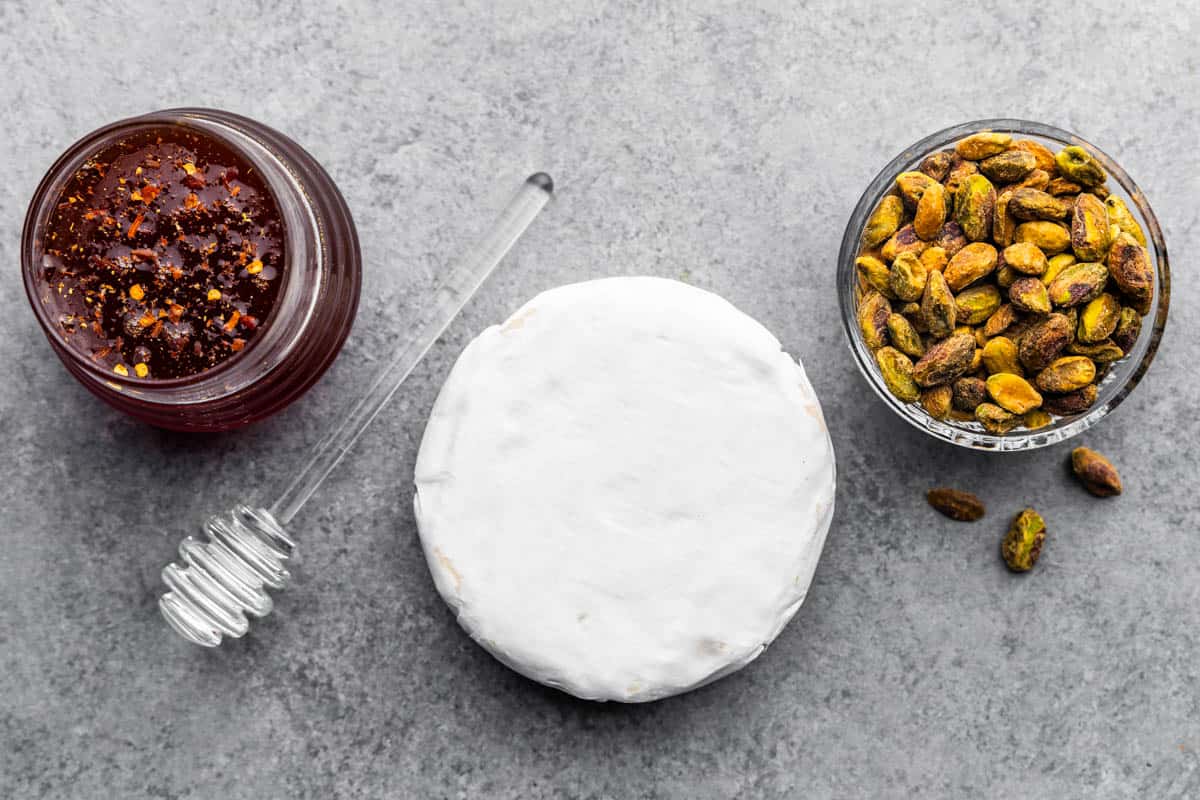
623,490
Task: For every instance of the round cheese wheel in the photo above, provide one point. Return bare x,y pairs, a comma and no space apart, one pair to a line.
623,490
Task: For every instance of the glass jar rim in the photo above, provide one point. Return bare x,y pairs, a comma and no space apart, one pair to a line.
1062,428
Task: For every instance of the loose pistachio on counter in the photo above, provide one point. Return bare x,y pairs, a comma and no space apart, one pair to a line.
1022,545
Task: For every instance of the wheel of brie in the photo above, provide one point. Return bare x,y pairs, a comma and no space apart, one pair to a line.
623,490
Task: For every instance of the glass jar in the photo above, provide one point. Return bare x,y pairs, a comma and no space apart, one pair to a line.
1120,379
311,316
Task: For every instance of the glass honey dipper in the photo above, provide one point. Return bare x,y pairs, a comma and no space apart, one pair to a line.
224,576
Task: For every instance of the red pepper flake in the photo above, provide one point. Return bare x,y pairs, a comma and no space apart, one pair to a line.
233,320
175,312
137,223
149,192
191,202
144,254
237,344
249,322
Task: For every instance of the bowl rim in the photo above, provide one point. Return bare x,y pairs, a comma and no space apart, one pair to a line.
944,430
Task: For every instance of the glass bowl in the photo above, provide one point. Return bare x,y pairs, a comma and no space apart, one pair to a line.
1122,376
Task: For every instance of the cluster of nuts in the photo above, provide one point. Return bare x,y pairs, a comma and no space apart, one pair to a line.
998,281
1022,544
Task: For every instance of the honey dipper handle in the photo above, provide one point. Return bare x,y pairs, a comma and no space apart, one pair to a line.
448,300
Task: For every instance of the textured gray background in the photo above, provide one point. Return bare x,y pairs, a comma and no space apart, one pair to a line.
727,147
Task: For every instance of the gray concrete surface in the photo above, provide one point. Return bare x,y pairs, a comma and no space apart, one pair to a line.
725,145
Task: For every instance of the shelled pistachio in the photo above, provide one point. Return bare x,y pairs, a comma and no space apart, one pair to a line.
1022,545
